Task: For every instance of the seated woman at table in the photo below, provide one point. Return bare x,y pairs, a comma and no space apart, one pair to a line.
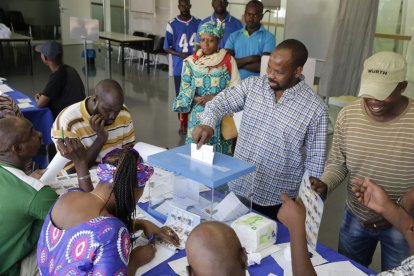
91,232
205,73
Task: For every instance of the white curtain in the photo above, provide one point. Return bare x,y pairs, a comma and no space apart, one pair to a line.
351,43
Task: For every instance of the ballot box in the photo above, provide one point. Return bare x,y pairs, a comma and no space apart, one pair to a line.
196,187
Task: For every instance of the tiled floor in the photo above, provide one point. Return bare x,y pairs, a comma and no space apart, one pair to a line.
148,97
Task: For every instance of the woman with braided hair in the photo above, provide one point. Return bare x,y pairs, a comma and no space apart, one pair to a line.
90,232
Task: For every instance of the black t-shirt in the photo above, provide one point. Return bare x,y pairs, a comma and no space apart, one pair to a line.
64,88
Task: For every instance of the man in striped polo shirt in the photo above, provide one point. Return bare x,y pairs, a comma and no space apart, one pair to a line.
374,138
101,122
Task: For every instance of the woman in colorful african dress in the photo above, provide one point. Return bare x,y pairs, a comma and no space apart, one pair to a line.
205,73
89,233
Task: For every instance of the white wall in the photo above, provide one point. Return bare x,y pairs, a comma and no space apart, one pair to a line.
306,22
165,10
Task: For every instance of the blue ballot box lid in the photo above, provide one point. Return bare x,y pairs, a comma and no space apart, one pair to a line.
224,169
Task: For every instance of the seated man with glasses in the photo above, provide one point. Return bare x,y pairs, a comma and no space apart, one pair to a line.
250,43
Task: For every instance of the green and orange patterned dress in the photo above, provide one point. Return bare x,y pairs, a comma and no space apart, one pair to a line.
205,75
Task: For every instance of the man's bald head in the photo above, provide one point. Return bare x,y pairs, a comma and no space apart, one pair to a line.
19,142
12,129
109,90
108,100
213,248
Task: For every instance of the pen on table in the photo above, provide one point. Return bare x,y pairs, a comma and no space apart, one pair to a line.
151,238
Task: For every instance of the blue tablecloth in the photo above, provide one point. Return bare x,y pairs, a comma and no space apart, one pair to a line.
267,265
41,119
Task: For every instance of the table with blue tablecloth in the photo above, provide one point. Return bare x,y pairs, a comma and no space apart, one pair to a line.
267,265
42,121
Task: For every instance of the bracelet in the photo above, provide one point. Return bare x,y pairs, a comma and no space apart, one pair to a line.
399,202
88,176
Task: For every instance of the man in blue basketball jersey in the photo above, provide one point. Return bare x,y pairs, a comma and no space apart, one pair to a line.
179,42
230,23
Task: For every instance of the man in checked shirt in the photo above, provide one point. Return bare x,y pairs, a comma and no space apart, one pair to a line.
283,128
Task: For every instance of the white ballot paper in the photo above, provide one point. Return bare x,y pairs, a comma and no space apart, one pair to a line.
204,154
161,255
179,266
54,167
230,208
283,258
314,210
25,105
338,269
25,100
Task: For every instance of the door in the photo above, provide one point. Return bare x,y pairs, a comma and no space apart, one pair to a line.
72,8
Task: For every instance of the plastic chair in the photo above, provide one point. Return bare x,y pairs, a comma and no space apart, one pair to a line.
131,49
17,23
146,45
159,50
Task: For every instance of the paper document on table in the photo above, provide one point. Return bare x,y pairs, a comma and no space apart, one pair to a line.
25,105
4,88
338,269
161,255
204,154
283,258
182,222
25,100
230,208
314,210
179,266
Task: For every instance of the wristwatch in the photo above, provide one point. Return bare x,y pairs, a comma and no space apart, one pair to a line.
399,202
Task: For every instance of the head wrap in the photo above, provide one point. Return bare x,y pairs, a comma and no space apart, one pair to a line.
212,28
106,171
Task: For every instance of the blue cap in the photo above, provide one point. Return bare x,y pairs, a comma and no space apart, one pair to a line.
50,49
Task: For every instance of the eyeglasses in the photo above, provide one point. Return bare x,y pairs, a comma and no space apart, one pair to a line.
271,72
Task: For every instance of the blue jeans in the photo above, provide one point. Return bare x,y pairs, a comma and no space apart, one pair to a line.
358,243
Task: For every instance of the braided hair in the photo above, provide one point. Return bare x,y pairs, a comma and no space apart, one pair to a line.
124,184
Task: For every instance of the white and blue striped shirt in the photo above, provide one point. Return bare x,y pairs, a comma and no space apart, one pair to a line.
281,138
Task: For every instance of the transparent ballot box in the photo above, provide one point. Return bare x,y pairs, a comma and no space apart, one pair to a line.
196,187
